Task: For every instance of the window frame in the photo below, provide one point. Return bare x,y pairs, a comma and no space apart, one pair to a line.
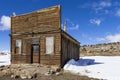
48,46
18,44
37,46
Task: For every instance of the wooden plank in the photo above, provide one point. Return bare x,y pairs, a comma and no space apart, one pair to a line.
40,20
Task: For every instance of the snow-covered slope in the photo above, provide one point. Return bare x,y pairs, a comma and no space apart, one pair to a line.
5,60
101,67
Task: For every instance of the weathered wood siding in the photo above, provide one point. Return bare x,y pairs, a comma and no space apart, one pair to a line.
39,25
26,48
55,57
42,20
69,48
25,56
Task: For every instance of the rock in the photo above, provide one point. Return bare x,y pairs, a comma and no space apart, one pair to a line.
20,69
7,67
58,69
34,75
12,76
1,69
4,72
47,74
57,73
25,71
17,72
9,72
51,71
15,76
29,76
23,76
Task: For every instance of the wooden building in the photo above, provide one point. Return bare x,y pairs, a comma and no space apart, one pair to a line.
37,37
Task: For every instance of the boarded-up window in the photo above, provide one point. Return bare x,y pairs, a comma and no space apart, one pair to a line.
18,46
49,45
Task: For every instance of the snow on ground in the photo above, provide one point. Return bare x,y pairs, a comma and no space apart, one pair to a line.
5,60
101,67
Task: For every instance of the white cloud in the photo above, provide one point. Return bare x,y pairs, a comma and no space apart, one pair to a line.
4,22
109,38
99,6
95,21
118,12
102,7
75,27
100,39
113,38
105,4
71,25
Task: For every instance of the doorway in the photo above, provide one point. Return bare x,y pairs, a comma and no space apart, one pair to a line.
35,53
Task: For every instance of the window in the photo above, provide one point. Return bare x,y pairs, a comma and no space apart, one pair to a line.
18,46
36,48
49,45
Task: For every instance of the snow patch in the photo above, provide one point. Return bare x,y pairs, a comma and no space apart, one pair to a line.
5,60
101,67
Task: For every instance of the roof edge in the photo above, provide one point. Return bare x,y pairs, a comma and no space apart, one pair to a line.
40,10
70,36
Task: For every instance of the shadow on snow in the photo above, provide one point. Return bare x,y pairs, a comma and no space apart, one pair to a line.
84,62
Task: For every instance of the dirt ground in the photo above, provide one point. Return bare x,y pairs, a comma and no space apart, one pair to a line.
40,71
65,76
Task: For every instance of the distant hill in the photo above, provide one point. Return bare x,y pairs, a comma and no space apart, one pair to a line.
109,49
4,52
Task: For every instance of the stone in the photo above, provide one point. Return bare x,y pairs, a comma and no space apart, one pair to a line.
17,72
58,69
7,67
57,73
15,76
29,76
47,74
34,75
1,69
4,72
23,76
12,76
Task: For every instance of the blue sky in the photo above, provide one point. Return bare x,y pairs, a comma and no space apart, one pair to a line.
89,21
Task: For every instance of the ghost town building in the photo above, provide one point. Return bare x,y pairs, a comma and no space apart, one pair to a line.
37,37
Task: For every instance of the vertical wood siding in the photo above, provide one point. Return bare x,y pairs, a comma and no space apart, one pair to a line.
70,50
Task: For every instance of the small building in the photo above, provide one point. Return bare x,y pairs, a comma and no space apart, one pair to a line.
37,37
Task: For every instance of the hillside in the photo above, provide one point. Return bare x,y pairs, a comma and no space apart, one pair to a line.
109,49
